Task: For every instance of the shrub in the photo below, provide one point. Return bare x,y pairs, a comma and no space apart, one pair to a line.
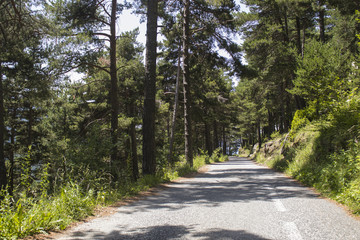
300,120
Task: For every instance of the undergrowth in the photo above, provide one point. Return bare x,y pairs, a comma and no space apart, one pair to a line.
27,215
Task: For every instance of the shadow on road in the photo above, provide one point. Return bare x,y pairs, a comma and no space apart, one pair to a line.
235,181
169,232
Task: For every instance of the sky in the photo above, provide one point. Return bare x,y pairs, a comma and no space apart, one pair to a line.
128,21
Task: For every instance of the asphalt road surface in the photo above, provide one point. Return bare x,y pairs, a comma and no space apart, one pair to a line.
233,200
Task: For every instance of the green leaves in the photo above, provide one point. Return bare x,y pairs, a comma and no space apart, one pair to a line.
321,75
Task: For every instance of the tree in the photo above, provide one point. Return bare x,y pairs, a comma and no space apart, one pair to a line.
319,76
113,94
186,84
272,57
149,161
176,106
131,80
21,59
87,20
209,25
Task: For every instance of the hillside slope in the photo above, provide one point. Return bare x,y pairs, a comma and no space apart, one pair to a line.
322,155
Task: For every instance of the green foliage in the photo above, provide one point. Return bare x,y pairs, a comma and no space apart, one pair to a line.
275,134
244,152
300,120
320,76
29,216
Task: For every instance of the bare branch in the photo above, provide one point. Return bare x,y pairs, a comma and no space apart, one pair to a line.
103,34
105,69
121,67
102,21
105,10
88,83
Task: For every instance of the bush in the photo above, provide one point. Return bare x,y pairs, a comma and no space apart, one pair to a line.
300,120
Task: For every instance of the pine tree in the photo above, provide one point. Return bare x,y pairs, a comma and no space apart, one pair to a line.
149,161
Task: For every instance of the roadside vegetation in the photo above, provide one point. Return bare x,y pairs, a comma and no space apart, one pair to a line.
25,215
324,154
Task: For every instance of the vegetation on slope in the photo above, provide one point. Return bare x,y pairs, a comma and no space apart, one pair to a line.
324,154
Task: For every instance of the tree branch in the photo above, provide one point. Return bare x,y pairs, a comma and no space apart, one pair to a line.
103,34
97,66
88,83
105,10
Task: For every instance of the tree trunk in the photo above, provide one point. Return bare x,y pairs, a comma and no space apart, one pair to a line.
298,35
280,21
322,20
303,41
259,135
149,161
12,151
224,140
186,84
134,156
3,174
286,25
114,101
216,136
176,105
208,144
30,125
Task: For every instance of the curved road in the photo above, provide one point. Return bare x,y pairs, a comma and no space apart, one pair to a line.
233,200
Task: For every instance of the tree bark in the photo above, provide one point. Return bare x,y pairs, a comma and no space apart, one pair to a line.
30,125
149,161
12,151
3,173
134,156
176,105
298,35
208,144
224,140
186,84
259,135
216,136
286,25
114,101
322,20
303,41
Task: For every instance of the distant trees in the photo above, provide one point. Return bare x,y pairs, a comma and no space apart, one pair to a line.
297,59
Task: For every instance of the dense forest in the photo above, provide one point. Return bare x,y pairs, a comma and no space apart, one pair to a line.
132,119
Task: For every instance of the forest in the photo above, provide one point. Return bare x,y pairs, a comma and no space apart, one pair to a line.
134,119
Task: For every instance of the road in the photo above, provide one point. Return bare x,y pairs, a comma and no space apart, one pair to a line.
233,200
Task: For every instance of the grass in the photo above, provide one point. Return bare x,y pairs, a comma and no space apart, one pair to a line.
29,215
